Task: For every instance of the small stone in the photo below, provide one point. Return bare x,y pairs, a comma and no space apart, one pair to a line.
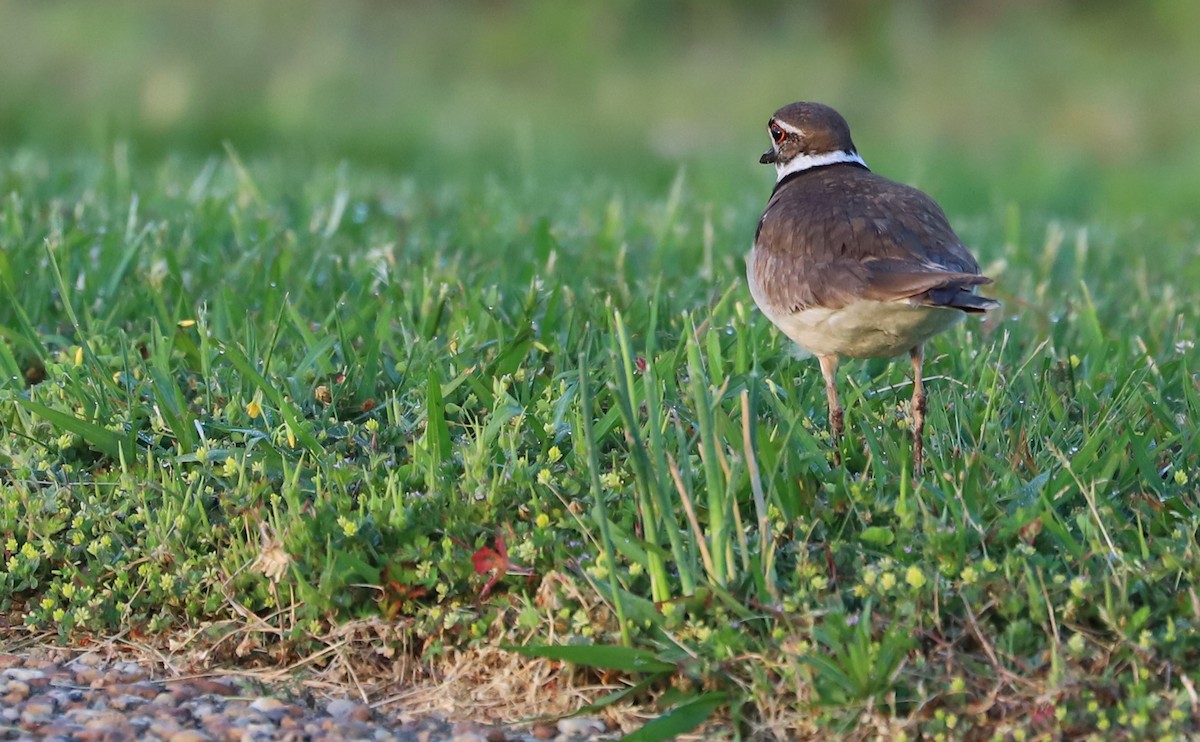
43,699
58,730
497,735
88,659
344,708
140,689
130,669
8,661
23,674
17,689
68,697
266,704
211,731
338,707
126,702
37,713
181,692
208,686
582,726
10,712
163,728
468,737
544,730
103,719
188,735
258,730
86,675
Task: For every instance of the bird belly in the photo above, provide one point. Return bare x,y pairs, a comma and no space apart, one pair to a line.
865,329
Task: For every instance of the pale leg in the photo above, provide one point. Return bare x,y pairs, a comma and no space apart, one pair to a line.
829,371
918,408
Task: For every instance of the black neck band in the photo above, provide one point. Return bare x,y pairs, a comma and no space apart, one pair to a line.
792,176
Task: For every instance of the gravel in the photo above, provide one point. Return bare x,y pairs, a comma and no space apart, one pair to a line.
90,700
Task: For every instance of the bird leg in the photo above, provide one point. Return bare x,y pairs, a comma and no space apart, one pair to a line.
918,408
829,371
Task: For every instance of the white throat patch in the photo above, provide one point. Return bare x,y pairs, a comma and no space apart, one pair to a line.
799,163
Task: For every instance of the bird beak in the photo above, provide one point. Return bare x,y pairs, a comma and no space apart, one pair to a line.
768,157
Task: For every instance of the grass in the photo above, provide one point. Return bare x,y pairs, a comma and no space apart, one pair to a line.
295,412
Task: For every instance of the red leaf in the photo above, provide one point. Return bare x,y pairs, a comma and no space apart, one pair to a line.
486,560
495,561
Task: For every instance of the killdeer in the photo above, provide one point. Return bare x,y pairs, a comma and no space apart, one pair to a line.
847,263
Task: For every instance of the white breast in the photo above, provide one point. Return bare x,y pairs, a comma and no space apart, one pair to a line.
862,329
866,329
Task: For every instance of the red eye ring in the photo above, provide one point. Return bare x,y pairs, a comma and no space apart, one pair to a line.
777,134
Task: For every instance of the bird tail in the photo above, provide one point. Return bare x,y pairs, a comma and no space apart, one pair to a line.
961,297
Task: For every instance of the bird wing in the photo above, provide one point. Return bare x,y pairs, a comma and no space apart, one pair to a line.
829,239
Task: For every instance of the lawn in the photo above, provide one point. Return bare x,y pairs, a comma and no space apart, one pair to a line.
388,342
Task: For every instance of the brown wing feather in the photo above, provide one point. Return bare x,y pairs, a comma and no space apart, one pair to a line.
839,234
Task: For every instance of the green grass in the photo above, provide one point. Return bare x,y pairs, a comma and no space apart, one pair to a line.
251,383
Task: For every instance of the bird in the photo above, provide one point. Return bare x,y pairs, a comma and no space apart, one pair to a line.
849,264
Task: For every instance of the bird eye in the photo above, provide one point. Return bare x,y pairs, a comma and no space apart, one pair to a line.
777,133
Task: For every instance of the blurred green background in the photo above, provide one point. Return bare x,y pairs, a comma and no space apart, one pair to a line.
1062,108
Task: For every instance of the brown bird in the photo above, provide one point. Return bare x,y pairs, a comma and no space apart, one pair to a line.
848,263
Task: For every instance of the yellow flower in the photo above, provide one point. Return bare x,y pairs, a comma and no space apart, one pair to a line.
545,477
915,577
543,520
887,580
1079,586
554,454
349,527
969,575
253,409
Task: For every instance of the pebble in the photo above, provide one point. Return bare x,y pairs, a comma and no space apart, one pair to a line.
90,699
266,704
344,708
24,674
580,726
